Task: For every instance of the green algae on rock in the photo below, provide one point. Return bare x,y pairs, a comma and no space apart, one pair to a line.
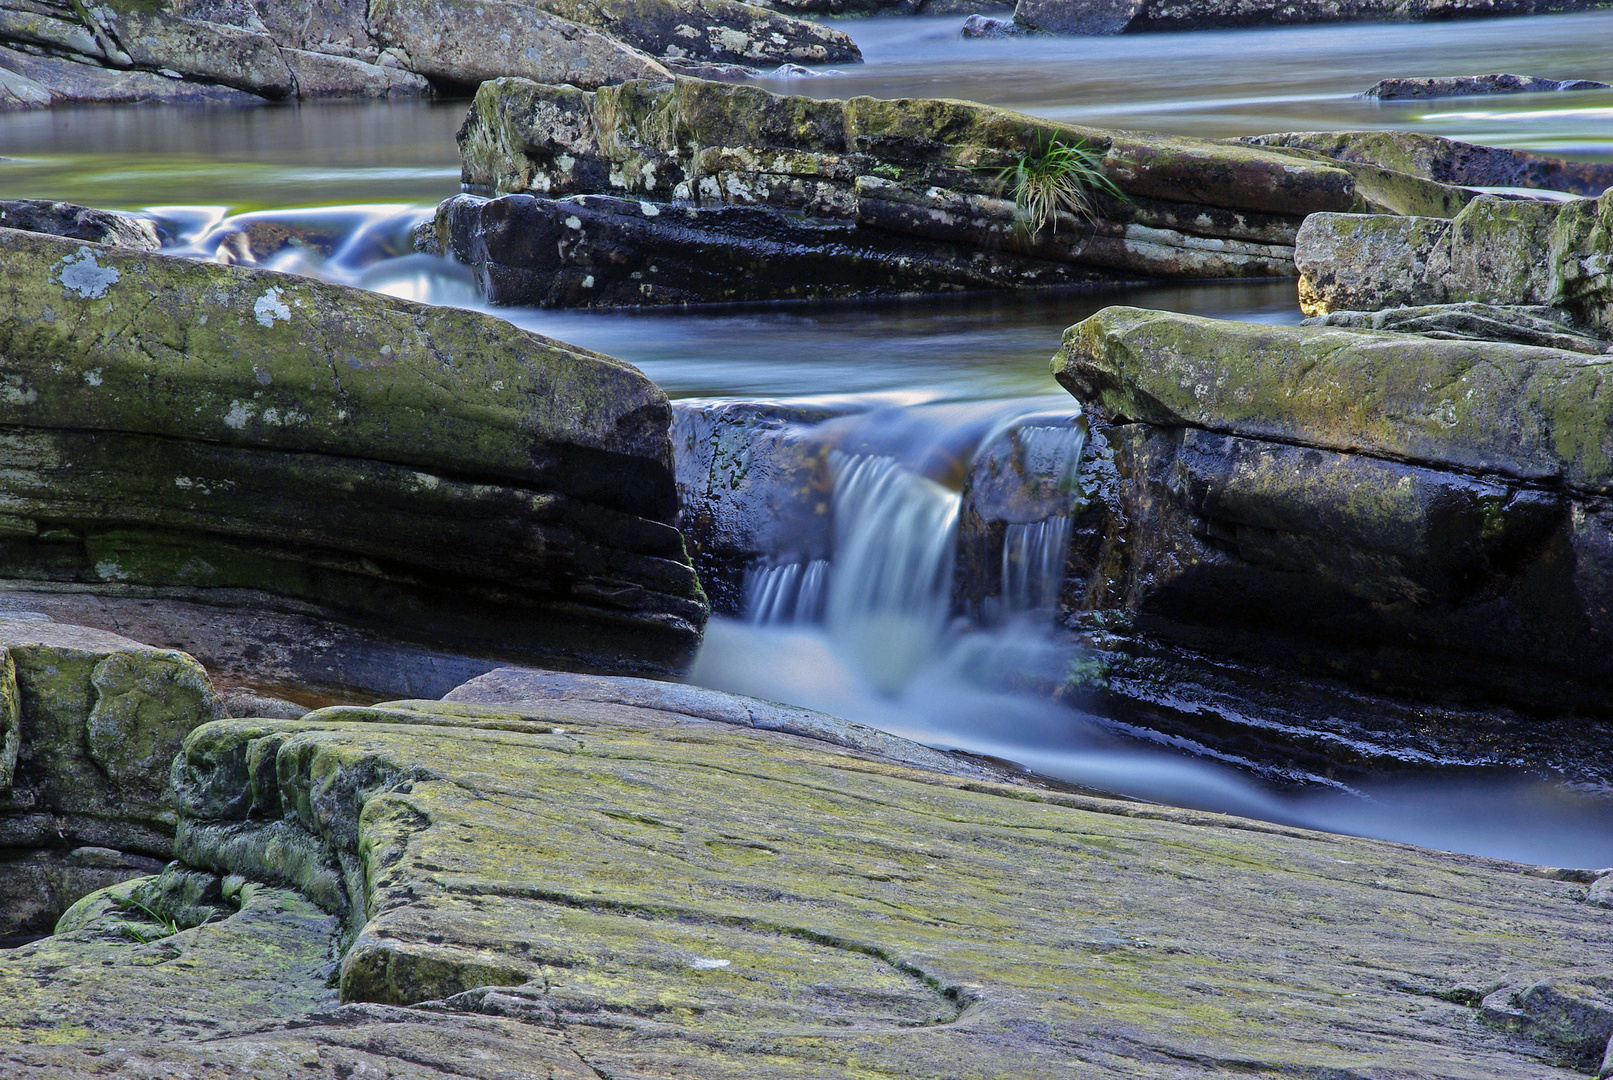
676,192
240,436
653,894
1420,514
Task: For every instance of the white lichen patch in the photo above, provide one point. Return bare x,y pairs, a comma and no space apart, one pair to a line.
93,376
80,273
270,307
707,963
239,416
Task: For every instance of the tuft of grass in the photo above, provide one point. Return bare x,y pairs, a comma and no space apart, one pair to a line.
165,927
1056,177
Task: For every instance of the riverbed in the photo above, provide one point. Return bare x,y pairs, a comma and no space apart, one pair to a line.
926,368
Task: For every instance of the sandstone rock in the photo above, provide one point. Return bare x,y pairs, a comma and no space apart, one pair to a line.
320,75
861,906
96,719
1414,503
252,438
1462,85
1449,161
714,31
226,55
463,42
79,223
18,92
70,83
1063,17
1494,252
1518,324
752,195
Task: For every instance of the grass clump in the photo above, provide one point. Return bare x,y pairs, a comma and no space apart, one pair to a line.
164,928
1056,177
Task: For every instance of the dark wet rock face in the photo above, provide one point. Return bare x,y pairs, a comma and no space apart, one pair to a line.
229,51
1428,511
666,193
1463,85
250,438
79,223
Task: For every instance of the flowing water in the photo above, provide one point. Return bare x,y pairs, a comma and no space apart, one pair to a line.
868,633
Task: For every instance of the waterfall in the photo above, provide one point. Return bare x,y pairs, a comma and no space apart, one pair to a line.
891,590
1053,453
1033,564
783,594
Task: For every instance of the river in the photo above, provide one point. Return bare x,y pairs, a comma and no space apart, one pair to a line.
914,369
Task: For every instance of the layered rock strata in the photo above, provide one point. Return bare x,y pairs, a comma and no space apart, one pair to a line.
653,193
590,879
1421,514
243,438
200,51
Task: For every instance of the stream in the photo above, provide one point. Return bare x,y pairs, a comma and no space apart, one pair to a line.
867,634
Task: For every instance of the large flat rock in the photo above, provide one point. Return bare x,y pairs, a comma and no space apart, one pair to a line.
241,437
644,894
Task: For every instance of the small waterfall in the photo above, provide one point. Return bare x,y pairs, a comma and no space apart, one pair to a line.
1053,453
1033,564
786,594
891,590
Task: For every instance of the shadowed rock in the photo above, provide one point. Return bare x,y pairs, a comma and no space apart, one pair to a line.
240,437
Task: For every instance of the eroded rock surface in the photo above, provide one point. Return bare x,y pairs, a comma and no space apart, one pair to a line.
240,437
1430,509
612,889
201,51
666,193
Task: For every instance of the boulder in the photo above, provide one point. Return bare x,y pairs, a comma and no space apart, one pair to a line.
595,880
192,51
1496,251
1464,85
654,192
1428,511
79,223
1448,161
91,723
238,437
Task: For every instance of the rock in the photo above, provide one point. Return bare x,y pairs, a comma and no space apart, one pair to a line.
463,42
753,196
1428,511
1063,17
1494,252
844,912
1601,892
1462,85
251,439
37,886
79,223
986,26
1215,14
752,485
95,720
321,75
1448,161
1573,1017
1518,324
190,51
70,83
244,702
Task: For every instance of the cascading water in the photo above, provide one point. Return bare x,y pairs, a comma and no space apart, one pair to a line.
1034,554
781,594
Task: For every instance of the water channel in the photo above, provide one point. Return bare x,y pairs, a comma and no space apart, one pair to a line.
866,634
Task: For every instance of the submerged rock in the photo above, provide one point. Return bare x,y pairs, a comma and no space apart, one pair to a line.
693,191
1462,85
244,438
1421,514
588,878
205,51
